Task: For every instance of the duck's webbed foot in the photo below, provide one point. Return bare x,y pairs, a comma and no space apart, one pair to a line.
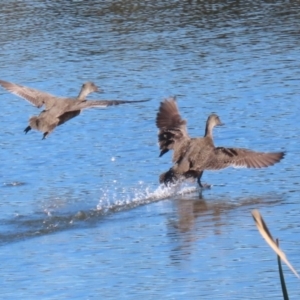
44,135
28,128
202,185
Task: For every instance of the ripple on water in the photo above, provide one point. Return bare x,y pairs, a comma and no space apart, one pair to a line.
239,59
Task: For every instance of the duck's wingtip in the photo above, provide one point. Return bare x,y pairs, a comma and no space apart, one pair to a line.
283,154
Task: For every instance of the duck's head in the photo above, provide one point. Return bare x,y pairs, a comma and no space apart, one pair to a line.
86,89
214,120
90,87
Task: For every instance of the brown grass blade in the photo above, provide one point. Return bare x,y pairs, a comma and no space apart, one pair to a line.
264,231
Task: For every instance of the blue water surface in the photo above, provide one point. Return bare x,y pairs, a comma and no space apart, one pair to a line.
82,213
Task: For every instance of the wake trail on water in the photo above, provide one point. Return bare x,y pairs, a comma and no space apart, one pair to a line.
61,213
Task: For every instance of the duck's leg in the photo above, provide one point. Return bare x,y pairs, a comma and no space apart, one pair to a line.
202,185
199,180
44,135
28,128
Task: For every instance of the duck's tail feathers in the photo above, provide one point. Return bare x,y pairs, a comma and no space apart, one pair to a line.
168,177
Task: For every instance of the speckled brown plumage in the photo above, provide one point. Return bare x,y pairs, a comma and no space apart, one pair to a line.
192,156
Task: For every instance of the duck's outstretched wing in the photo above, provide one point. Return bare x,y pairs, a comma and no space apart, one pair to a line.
241,158
35,97
172,128
104,103
74,107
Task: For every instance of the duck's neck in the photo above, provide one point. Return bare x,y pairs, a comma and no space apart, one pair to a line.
209,130
83,94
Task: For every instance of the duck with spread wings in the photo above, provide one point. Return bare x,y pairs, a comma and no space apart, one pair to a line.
58,110
192,156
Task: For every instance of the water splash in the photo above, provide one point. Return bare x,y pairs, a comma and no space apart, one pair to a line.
141,195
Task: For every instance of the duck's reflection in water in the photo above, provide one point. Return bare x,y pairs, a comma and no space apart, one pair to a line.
202,218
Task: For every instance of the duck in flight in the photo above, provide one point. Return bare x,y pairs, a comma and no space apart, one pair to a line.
58,110
192,156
